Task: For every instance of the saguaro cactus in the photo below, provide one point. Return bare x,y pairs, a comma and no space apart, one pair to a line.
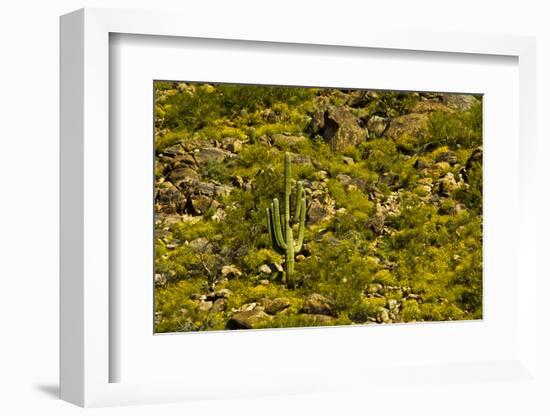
280,227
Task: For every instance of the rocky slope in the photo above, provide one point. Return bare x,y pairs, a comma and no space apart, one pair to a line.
393,189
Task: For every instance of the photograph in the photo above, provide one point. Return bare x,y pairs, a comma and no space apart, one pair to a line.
303,206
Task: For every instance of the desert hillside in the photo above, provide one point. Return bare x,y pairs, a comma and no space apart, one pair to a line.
392,184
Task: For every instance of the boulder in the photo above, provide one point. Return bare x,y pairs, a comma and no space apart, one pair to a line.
183,174
283,141
169,199
219,305
339,127
247,319
198,204
318,212
411,124
277,305
318,304
460,102
207,155
201,244
377,125
232,144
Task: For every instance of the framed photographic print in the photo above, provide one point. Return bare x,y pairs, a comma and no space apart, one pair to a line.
279,207
292,209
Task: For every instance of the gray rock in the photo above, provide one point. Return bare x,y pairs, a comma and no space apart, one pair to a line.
319,319
318,304
206,305
284,142
160,279
377,125
448,157
348,160
219,305
247,319
265,269
383,316
231,271
207,155
198,204
277,305
408,124
201,244
318,212
183,174
339,127
393,304
460,102
374,288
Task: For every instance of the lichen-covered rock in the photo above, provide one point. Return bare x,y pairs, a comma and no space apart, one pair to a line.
339,127
411,124
318,304
277,305
247,319
377,125
207,155
183,174
231,271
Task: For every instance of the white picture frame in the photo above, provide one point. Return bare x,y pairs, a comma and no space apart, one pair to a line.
86,356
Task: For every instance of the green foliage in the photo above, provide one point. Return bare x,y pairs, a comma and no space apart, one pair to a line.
456,130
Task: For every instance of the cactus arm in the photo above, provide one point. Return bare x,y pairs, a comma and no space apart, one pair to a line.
301,227
299,195
272,234
276,222
280,230
287,189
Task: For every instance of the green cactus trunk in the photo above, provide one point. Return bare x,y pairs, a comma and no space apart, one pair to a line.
280,228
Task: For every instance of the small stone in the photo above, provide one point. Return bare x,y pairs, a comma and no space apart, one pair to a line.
264,282
392,304
374,288
448,157
219,305
160,279
440,167
231,271
235,147
348,160
300,258
383,316
265,269
248,306
447,185
223,293
205,306
377,125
